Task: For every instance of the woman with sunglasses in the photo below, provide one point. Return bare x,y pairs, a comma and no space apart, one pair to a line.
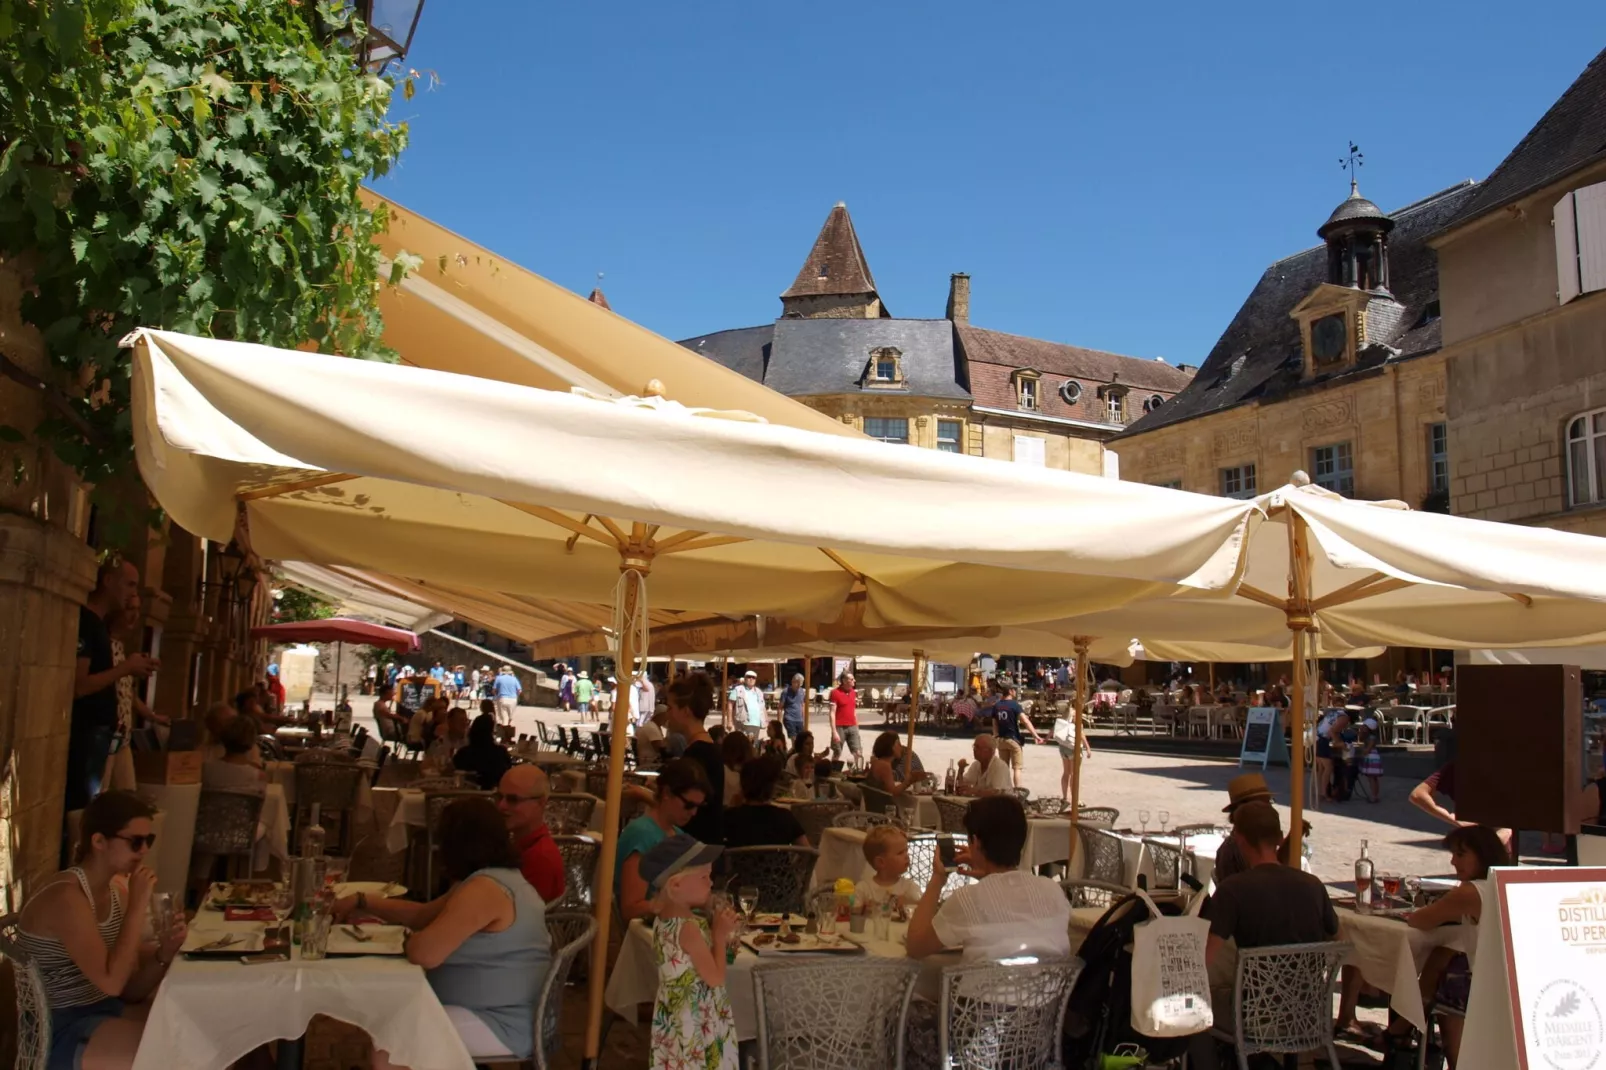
682,790
83,930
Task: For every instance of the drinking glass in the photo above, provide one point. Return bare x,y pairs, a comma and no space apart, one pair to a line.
825,915
1165,818
1143,816
315,937
1391,885
747,899
881,920
161,914
1413,890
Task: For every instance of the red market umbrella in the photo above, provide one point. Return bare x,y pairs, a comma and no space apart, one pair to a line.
339,630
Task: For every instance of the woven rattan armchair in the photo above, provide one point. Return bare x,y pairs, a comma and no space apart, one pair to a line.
922,858
1105,815
33,1010
435,804
950,813
1048,806
226,825
1283,1000
781,874
1104,857
1084,893
332,784
995,1015
571,934
579,872
829,1015
1167,855
569,813
816,817
864,819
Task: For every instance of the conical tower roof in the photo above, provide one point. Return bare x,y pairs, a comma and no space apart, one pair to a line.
836,264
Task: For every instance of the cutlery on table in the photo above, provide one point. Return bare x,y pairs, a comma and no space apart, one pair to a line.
357,934
219,944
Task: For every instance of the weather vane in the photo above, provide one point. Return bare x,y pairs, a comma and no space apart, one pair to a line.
1352,164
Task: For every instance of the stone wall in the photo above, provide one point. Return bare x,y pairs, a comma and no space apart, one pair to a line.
832,307
1384,416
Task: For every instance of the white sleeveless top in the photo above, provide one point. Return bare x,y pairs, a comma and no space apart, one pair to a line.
65,984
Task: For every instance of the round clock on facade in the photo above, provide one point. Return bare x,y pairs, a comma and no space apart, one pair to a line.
1327,338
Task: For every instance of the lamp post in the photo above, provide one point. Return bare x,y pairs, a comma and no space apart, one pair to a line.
389,24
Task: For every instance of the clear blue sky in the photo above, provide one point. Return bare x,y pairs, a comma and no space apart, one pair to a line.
1112,175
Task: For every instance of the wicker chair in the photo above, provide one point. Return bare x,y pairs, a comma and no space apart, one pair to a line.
437,783
950,813
1083,893
1282,1000
863,819
332,784
877,801
33,1011
1104,857
922,859
994,1015
1048,806
1168,865
828,1015
569,813
571,935
399,773
1107,815
435,804
579,872
373,860
815,817
596,777
226,827
781,874
1023,794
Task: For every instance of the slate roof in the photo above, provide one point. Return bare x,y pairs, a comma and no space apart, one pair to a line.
1571,135
836,264
808,357
1260,357
994,356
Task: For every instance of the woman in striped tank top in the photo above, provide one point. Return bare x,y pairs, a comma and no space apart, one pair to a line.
83,932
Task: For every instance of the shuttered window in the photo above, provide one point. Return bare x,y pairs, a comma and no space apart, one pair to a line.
948,435
887,429
1579,220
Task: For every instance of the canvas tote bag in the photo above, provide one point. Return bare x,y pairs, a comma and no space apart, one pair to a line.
1170,987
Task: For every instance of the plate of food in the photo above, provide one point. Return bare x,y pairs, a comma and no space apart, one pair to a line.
773,921
372,889
240,894
800,943
350,939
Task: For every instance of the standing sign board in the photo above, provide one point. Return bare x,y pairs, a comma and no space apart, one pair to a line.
1263,738
1539,982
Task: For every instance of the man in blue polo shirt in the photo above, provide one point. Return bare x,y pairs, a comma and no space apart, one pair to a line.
505,689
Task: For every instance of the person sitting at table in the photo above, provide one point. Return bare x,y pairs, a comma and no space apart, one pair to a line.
449,742
1446,977
681,792
483,945
735,751
775,741
988,774
651,741
757,822
240,768
1268,903
385,712
887,765
886,854
521,795
217,715
482,757
804,761
82,929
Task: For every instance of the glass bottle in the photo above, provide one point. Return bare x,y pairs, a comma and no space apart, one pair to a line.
312,837
1363,880
950,782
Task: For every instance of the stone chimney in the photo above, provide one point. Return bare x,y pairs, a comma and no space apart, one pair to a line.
959,297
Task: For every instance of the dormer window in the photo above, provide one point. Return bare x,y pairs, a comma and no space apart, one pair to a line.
1028,384
885,368
1114,396
1154,402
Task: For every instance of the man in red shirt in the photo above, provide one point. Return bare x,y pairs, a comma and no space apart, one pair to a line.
845,718
521,796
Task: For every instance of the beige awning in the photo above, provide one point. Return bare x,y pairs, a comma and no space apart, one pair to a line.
469,311
345,462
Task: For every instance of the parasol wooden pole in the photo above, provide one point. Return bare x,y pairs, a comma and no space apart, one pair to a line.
725,692
1299,623
1079,644
634,558
916,679
1212,696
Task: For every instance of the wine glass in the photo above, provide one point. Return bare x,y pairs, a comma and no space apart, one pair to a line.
747,899
1413,889
1165,819
1143,816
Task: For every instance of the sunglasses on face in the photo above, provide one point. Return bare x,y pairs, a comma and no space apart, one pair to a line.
514,800
137,843
687,803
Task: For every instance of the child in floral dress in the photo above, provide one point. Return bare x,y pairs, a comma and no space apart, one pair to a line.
692,1024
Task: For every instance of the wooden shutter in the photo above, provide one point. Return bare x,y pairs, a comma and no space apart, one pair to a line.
1566,228
1029,450
1589,221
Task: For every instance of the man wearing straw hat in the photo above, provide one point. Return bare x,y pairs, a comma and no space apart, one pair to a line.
1242,789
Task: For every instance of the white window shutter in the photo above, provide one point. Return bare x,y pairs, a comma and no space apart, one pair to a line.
1566,249
1029,450
1589,211
1112,464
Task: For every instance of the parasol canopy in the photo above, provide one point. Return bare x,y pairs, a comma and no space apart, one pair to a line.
338,630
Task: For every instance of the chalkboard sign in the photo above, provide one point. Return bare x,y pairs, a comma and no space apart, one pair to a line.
1263,738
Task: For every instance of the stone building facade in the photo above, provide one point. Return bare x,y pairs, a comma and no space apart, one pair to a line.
1523,273
937,383
1333,366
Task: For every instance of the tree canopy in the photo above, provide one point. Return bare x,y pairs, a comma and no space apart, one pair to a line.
186,164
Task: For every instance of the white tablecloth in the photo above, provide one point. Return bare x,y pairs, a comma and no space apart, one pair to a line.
273,829
208,1014
284,775
634,980
1390,954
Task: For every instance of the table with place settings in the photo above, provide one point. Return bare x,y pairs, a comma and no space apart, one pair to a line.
1389,954
211,1012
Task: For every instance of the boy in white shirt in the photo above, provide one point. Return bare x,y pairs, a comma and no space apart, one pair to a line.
886,849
